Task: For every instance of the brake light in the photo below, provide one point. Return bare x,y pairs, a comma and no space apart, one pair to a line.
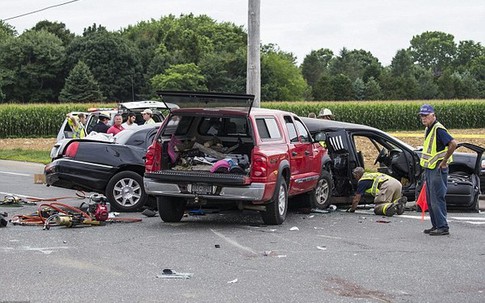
259,167
152,157
71,150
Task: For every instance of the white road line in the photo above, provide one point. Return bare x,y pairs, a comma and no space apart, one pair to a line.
15,174
234,243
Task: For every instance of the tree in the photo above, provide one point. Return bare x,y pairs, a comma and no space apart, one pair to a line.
446,87
56,28
315,65
465,85
427,88
356,64
372,90
32,67
323,89
80,86
433,50
6,31
186,77
466,52
402,64
225,71
342,87
113,60
358,87
281,79
189,39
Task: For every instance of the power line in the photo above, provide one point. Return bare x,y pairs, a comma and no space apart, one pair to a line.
39,10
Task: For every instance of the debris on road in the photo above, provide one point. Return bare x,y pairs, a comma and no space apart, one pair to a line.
171,274
294,228
232,281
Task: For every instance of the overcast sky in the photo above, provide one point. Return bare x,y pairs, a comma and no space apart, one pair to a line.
299,26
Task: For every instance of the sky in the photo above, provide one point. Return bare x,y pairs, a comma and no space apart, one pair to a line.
381,27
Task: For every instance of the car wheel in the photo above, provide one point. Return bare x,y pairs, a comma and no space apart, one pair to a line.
125,191
321,196
277,208
170,209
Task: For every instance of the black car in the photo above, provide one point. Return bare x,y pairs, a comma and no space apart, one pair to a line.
350,145
114,168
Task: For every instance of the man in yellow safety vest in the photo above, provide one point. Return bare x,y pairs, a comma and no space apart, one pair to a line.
384,189
438,149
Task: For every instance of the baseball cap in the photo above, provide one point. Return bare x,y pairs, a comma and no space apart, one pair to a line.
426,109
147,111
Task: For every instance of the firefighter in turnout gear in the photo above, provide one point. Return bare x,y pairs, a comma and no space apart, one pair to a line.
385,189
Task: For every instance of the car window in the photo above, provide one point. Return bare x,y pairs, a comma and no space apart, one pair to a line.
303,133
292,133
268,128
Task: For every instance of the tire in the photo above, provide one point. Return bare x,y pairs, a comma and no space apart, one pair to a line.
170,209
277,208
321,196
125,191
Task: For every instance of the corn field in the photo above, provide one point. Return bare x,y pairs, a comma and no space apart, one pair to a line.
394,115
44,120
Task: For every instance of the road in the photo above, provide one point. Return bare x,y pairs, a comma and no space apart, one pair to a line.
233,257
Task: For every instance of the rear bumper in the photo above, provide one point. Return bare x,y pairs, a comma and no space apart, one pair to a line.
252,192
71,174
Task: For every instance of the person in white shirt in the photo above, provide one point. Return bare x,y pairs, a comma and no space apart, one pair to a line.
130,121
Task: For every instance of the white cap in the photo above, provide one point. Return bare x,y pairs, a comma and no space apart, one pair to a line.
325,112
147,111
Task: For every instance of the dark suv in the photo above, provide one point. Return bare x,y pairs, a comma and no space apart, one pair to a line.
350,145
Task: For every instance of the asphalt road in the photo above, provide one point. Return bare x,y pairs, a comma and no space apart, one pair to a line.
330,257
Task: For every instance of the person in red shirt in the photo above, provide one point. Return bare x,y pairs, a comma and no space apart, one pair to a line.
116,128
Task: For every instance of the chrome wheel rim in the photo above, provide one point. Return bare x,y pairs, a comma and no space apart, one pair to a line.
127,192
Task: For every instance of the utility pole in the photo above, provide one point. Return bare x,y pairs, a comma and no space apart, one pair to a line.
253,80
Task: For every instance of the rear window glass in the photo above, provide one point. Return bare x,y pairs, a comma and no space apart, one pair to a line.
268,128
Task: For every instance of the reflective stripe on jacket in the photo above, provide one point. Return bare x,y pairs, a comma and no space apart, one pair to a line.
430,156
377,180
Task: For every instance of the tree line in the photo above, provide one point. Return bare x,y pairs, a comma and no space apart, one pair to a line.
48,63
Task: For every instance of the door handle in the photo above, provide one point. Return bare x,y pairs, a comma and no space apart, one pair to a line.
307,153
294,153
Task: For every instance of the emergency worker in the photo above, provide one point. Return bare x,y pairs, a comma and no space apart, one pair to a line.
438,149
102,125
77,125
325,114
384,188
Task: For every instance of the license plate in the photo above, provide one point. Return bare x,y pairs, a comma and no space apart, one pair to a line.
200,189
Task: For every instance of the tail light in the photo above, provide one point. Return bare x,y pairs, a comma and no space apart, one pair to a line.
259,167
153,157
71,150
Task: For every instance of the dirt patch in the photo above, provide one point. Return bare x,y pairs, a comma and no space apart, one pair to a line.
475,136
44,144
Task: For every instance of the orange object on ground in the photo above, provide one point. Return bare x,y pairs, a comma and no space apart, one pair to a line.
421,202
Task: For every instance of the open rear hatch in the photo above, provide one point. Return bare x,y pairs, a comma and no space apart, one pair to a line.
207,99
